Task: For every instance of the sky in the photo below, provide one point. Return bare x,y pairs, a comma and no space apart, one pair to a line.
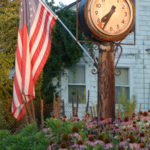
65,2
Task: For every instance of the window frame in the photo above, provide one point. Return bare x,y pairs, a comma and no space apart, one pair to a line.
129,81
78,84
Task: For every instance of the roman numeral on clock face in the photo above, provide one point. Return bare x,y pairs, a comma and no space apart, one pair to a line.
122,21
96,12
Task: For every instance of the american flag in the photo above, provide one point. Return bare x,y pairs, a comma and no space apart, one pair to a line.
33,47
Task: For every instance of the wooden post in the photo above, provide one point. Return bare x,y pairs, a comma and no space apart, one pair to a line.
42,114
119,111
54,105
140,107
26,114
72,107
59,107
28,109
106,82
33,110
77,103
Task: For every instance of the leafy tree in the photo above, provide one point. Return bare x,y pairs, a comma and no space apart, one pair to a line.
64,53
8,35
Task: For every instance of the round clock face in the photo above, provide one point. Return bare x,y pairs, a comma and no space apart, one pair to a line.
110,17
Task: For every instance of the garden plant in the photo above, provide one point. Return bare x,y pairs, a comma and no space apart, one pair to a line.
129,133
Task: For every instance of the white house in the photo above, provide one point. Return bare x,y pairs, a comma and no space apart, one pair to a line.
134,64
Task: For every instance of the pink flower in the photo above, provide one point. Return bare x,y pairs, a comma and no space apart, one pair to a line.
123,143
86,117
117,121
90,125
125,123
108,120
91,143
133,128
79,146
133,145
49,147
76,135
48,135
116,129
99,142
64,118
45,130
143,148
109,145
145,118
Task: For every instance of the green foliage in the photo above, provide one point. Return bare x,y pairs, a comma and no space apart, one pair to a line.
64,53
59,128
28,139
55,125
9,11
127,106
4,134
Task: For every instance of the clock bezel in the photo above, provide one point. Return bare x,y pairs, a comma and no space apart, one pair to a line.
108,37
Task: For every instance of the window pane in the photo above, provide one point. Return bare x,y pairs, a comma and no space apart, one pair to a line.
123,78
74,90
119,91
77,74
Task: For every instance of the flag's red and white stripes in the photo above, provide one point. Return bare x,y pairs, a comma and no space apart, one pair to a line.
32,51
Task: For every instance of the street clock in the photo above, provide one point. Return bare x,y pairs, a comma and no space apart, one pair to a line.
106,20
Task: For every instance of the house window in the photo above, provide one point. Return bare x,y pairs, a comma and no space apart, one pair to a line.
122,83
76,84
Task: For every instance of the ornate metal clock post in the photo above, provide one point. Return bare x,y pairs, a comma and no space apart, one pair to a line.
106,81
105,22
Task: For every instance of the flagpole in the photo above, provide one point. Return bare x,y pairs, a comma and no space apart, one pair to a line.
84,50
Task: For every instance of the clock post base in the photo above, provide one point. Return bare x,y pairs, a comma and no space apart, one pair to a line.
106,82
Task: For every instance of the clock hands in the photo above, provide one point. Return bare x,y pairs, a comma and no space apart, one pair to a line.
106,18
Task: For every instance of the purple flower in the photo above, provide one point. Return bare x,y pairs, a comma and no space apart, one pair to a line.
123,143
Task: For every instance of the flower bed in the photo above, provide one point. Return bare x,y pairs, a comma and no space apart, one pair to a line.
88,134
73,134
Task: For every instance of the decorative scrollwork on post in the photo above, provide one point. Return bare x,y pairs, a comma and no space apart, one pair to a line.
116,47
94,71
118,72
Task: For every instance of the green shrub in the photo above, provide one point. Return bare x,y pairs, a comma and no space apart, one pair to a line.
28,139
